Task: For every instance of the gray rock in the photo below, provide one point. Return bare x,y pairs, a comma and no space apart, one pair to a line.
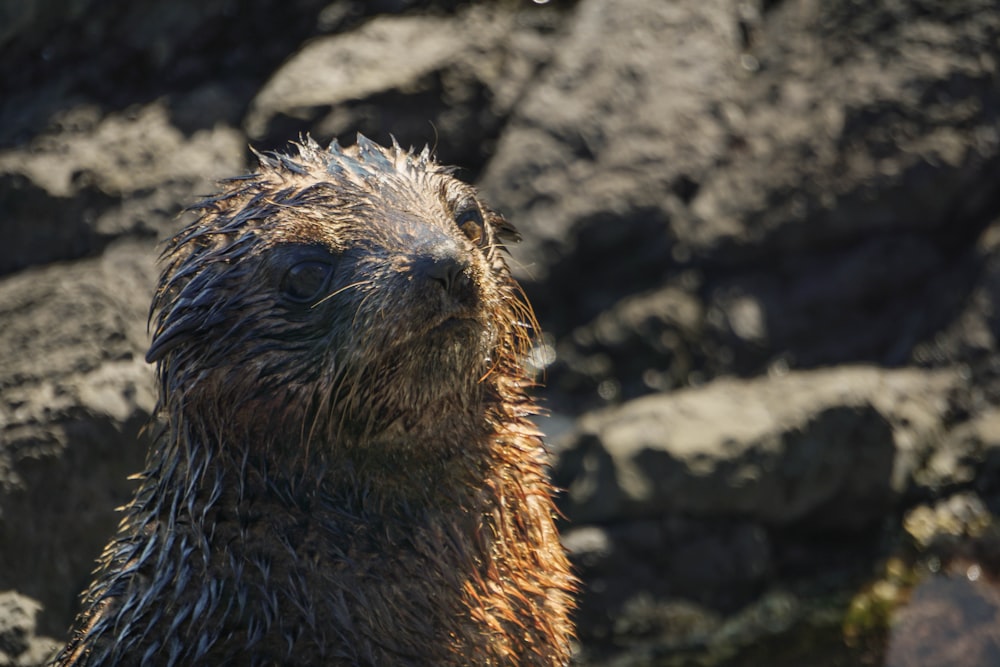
876,299
75,394
646,342
949,620
601,153
971,333
17,622
95,178
820,161
59,55
914,127
18,18
634,566
446,81
968,456
19,645
828,448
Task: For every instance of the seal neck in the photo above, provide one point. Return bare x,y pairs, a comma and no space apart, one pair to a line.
441,463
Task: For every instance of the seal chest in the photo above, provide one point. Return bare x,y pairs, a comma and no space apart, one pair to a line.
345,473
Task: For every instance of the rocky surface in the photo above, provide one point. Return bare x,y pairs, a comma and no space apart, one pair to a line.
948,605
830,450
19,643
91,179
762,239
451,80
75,394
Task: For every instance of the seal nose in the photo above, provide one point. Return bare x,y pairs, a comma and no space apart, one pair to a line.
449,272
439,262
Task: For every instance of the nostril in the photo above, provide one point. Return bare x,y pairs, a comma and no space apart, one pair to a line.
448,271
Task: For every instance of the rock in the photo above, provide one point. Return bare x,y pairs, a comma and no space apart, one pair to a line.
96,178
446,81
830,449
114,54
971,333
652,631
916,129
950,620
646,342
823,164
19,645
717,564
968,456
604,147
896,290
17,622
949,524
76,393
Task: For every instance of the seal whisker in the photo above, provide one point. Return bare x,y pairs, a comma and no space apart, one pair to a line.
329,296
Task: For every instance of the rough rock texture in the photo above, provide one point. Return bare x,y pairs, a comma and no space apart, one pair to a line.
91,179
19,644
970,455
75,393
816,160
950,621
632,565
447,81
694,487
817,447
762,238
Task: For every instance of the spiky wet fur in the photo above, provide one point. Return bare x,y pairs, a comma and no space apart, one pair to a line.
353,483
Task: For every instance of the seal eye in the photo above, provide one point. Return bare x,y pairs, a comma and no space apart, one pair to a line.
469,219
306,281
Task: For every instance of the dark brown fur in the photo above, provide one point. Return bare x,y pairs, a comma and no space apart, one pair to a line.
346,476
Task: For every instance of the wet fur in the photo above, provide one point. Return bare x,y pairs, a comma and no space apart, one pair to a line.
351,483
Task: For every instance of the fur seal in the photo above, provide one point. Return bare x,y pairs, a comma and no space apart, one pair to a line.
344,472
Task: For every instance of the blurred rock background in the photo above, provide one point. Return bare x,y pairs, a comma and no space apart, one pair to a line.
762,238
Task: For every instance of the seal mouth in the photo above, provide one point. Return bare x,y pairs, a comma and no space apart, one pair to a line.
449,329
463,330
452,322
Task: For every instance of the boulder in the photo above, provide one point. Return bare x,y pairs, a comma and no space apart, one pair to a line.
828,449
950,619
445,81
94,178
20,646
822,166
646,342
720,564
75,394
968,457
609,144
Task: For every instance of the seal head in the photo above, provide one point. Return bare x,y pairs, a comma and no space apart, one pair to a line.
345,473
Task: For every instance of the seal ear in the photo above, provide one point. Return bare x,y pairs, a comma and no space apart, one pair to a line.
505,231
